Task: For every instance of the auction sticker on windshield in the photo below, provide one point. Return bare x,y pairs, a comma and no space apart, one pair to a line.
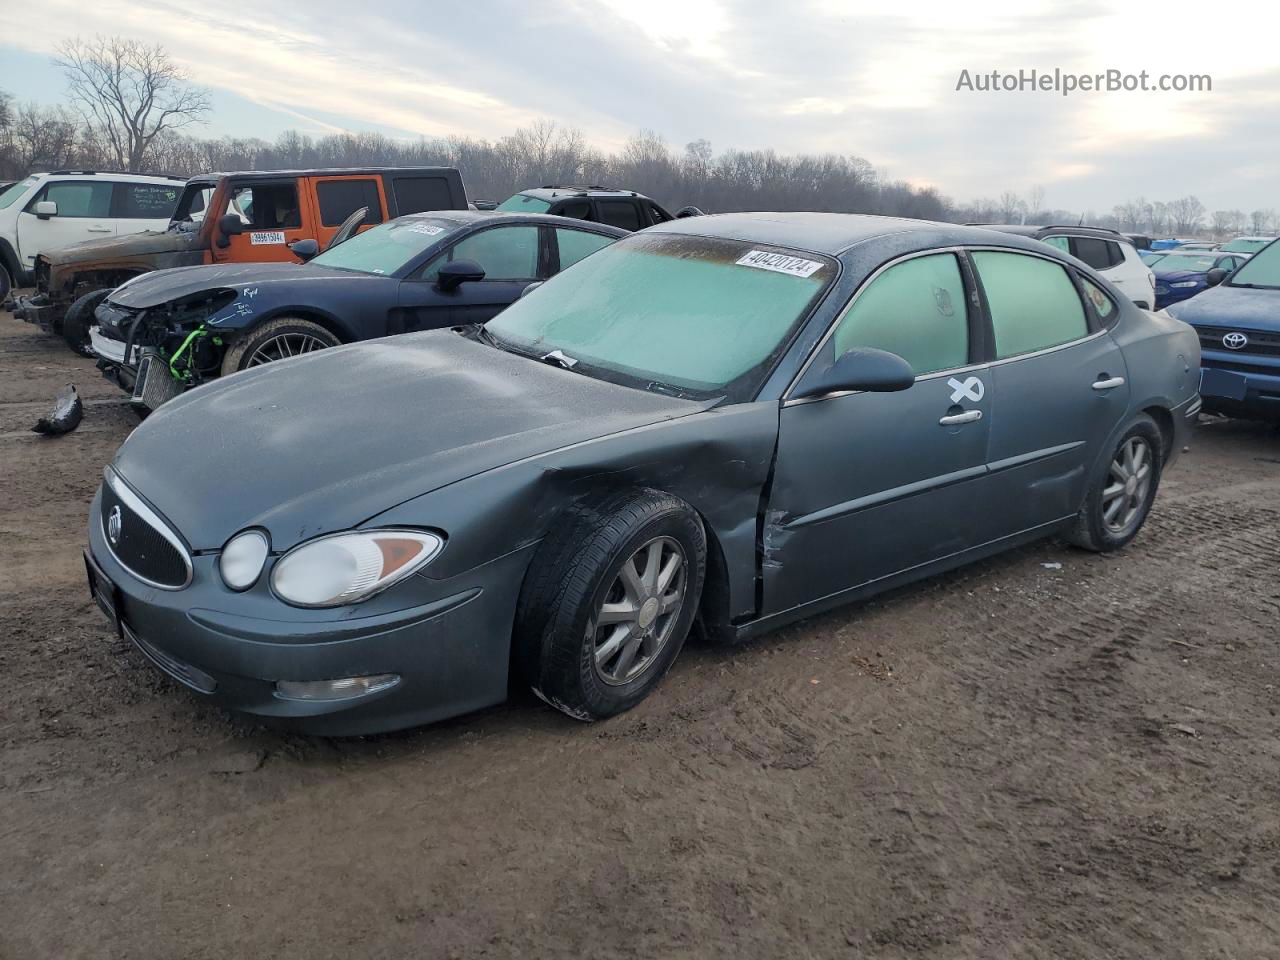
274,236
780,263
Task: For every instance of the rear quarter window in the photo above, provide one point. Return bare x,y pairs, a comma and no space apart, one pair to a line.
619,213
144,201
416,194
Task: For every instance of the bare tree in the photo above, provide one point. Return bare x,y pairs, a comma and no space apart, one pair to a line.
1035,203
1011,207
1186,214
129,93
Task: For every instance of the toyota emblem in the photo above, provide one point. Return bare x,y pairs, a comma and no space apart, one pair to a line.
1235,341
113,525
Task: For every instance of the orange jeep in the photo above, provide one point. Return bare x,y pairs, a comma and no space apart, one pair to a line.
245,217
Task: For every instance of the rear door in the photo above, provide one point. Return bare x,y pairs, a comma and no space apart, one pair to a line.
336,198
512,257
143,206
870,484
84,213
1060,385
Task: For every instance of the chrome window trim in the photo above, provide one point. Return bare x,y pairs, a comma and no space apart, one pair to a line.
788,400
153,520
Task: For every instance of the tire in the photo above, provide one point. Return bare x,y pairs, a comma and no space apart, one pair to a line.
6,282
244,352
1109,519
561,649
78,319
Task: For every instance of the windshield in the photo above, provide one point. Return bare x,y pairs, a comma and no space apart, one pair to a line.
14,192
1151,259
1196,262
1260,270
388,247
1239,245
523,203
703,315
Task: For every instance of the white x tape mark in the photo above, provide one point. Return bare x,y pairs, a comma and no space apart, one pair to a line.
971,389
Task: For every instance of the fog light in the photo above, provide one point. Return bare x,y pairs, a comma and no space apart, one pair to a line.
347,688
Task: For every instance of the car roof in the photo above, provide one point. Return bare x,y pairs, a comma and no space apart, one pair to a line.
312,172
503,216
114,174
1064,229
555,192
834,233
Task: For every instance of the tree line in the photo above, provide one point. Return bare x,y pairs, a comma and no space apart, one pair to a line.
128,107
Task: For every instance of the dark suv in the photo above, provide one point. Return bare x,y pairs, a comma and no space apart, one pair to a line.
618,208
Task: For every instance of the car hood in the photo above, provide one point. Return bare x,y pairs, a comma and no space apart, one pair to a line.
1227,306
163,286
132,245
321,443
1176,276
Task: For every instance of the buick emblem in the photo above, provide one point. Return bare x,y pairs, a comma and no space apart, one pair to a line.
113,525
1235,341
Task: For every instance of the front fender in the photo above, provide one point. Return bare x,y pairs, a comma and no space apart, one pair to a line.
718,461
252,308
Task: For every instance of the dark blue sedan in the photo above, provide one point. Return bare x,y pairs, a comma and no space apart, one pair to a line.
1180,276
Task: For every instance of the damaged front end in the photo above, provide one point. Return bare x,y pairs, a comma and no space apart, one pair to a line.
157,352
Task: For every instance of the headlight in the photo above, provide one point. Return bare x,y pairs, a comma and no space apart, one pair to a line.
242,559
349,567
1184,284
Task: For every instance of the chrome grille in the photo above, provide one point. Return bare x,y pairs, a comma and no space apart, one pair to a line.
140,540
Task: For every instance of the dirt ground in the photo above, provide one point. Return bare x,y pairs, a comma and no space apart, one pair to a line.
1051,754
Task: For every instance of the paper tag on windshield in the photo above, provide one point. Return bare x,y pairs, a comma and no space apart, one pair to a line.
430,229
780,263
273,237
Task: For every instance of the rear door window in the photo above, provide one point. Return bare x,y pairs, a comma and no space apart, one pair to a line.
79,198
144,201
338,199
576,244
1034,305
1062,243
1093,251
619,213
916,309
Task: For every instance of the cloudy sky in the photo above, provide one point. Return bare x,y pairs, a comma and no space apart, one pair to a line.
873,79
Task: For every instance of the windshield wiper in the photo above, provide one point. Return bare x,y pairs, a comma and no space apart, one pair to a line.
560,358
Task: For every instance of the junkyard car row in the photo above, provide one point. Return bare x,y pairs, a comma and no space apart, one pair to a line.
563,446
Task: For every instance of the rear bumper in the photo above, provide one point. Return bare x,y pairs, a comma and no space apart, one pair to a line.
451,652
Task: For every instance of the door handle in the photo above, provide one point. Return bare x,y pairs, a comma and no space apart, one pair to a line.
99,230
969,416
1109,384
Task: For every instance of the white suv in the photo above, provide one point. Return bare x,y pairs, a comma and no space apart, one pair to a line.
1111,254
50,210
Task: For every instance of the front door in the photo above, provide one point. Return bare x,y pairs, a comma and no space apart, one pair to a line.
870,484
84,213
512,257
1060,383
273,217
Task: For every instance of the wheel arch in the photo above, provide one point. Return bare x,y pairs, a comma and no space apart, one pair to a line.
1164,422
309,312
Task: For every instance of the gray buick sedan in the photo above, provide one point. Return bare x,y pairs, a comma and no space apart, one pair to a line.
732,421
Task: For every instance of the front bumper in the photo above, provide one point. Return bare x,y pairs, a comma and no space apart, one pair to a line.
1240,384
450,648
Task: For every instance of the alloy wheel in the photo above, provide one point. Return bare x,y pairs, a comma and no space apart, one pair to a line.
640,611
283,346
1128,482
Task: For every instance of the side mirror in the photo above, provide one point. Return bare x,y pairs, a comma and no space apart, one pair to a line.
531,287
875,371
304,249
1215,276
46,209
229,226
457,272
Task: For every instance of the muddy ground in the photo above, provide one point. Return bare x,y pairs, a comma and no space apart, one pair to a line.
1017,760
